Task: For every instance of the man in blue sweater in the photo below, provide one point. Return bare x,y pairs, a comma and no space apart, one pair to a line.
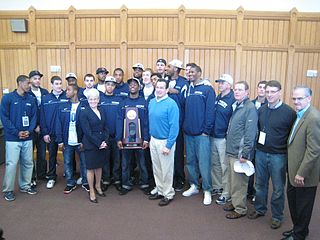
164,129
110,106
220,171
68,135
40,166
134,100
19,119
48,111
198,124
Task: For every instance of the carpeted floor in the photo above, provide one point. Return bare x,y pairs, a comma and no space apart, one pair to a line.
53,215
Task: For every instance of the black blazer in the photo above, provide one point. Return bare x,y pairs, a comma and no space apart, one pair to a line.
94,130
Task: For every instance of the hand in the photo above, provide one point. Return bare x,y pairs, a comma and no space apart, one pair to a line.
145,144
299,180
61,146
47,138
23,135
103,145
120,145
242,160
165,151
81,147
37,129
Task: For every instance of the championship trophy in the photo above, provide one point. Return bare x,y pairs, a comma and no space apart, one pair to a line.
132,130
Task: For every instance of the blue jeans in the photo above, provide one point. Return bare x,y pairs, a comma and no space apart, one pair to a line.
126,168
199,161
18,152
68,164
274,166
113,161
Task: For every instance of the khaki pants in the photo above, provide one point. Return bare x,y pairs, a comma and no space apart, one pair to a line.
238,183
163,167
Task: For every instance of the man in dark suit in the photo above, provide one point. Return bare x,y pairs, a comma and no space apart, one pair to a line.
303,163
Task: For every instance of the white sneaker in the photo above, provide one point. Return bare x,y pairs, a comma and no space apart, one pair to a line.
191,191
207,198
79,181
50,183
154,191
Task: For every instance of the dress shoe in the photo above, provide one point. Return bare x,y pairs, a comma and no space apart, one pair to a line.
254,215
124,191
101,194
287,233
164,202
229,207
234,215
155,196
118,186
93,200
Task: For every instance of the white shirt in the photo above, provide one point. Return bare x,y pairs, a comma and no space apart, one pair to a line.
73,137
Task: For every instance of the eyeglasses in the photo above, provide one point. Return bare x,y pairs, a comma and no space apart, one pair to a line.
299,99
272,92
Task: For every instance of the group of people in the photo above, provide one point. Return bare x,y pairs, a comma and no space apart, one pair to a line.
221,136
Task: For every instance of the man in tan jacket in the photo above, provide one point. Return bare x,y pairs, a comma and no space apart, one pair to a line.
303,163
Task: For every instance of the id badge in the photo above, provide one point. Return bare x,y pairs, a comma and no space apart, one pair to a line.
25,121
262,138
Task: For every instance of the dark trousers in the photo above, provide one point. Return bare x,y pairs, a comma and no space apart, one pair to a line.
178,174
113,162
300,200
251,189
53,150
147,156
40,165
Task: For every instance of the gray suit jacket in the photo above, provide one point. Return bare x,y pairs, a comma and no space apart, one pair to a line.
304,149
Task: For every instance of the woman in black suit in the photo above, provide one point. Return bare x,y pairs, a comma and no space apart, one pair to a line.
95,136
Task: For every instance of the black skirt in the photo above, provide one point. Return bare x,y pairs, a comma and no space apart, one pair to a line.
95,158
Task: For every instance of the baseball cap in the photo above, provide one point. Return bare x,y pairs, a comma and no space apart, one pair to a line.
246,167
71,75
176,63
34,73
225,77
102,70
110,79
138,65
161,60
133,79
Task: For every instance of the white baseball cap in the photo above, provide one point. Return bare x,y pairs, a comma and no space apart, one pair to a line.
110,79
138,65
246,167
176,63
225,77
71,74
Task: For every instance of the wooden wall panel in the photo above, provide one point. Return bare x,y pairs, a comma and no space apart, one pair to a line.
99,29
263,65
302,62
10,37
210,30
213,62
13,62
52,30
88,60
262,31
152,29
52,57
308,33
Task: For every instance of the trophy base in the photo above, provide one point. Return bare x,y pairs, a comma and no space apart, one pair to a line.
132,146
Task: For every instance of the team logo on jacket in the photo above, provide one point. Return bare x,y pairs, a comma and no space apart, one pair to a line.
198,92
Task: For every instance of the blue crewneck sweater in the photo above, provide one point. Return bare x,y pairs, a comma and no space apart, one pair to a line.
164,120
